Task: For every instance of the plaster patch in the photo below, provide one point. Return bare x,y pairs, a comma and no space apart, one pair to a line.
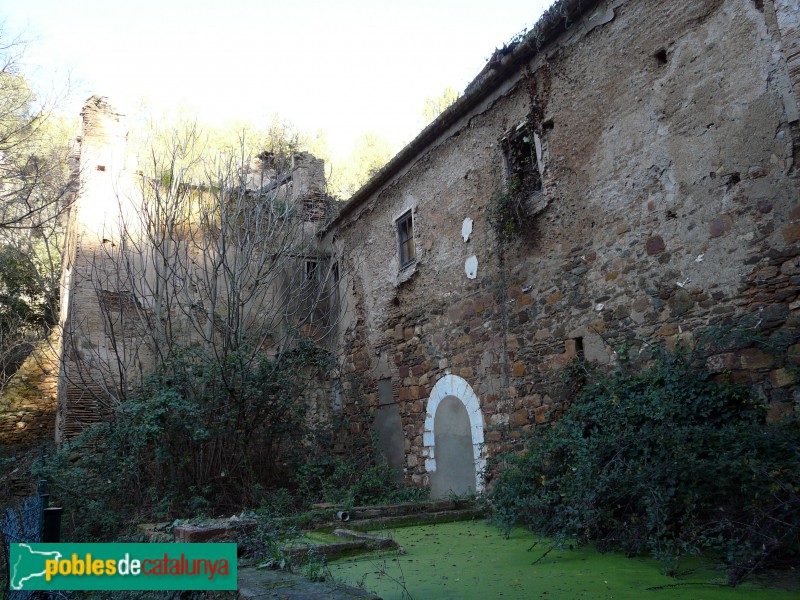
466,229
471,267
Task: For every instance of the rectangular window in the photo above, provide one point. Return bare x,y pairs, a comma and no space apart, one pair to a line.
312,269
405,238
522,166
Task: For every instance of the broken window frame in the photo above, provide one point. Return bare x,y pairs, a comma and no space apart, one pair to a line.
404,226
522,169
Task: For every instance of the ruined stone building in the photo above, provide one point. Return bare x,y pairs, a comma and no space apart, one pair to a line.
623,174
163,261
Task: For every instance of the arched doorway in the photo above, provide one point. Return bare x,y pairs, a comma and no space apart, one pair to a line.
453,438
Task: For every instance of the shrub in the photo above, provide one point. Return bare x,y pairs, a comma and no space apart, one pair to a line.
197,438
352,481
663,460
205,437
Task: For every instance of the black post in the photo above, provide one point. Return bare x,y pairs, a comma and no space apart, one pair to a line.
44,501
52,525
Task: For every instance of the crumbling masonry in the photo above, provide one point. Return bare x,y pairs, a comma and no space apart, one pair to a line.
638,160
626,173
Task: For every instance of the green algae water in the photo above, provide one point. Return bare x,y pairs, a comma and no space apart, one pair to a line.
473,560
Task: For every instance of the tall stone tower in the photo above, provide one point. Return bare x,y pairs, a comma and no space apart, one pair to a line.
92,232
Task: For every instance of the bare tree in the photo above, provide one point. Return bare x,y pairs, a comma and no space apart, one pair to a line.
32,162
214,278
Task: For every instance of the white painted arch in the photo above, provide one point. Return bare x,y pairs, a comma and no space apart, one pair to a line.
458,387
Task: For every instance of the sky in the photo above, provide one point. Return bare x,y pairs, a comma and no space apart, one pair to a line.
344,66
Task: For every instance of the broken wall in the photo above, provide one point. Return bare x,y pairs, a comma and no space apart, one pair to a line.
664,134
160,265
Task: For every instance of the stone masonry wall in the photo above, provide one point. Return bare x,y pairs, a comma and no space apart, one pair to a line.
116,299
666,134
105,186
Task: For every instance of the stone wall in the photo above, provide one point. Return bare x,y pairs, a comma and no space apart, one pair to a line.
665,136
105,186
28,403
144,276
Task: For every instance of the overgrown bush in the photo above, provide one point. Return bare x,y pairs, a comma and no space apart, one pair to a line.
197,438
663,460
355,481
208,437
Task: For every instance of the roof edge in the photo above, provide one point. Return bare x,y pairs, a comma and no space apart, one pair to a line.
503,63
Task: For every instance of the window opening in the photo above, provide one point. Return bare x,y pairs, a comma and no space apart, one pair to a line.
311,269
405,237
579,348
522,167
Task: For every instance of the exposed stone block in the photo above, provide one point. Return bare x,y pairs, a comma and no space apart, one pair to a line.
791,267
518,418
723,362
753,358
681,302
655,245
667,329
793,353
782,378
791,233
720,226
493,436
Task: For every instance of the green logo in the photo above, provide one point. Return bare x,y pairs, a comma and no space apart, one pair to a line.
122,567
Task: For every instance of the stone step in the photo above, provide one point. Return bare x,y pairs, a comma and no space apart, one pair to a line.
446,516
364,516
354,542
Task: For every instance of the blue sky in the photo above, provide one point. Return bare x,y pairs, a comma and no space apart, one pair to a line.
343,66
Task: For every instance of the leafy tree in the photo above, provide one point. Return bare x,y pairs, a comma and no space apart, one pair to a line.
436,106
371,152
35,180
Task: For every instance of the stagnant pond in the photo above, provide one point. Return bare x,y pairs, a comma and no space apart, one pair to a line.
471,559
